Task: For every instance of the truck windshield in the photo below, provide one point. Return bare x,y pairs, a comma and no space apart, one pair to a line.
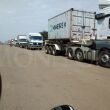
23,40
36,37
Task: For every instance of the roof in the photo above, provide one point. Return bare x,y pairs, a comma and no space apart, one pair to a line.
104,3
34,34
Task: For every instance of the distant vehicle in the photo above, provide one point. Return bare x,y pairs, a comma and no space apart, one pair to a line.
1,43
22,41
11,42
15,43
35,41
73,33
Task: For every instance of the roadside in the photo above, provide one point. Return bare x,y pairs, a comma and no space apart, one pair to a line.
33,80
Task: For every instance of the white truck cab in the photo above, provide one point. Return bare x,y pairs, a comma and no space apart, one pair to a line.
22,41
35,41
103,23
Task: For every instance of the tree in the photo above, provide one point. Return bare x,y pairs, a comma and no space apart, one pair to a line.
44,34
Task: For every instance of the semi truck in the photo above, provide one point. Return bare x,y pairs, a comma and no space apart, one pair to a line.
35,41
74,34
22,41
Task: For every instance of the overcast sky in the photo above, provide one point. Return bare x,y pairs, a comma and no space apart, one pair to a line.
25,16
104,1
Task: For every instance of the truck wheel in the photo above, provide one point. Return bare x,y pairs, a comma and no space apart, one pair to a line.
79,55
104,58
47,50
50,50
28,47
70,54
54,51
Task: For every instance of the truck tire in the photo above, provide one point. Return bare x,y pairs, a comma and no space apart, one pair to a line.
104,58
79,55
54,51
28,48
50,50
47,50
70,54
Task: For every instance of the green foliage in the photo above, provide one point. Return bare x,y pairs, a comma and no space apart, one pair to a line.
44,34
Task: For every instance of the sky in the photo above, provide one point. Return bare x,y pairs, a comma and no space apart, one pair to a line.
104,1
27,16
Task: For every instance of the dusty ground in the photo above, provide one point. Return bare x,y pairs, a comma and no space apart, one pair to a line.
33,80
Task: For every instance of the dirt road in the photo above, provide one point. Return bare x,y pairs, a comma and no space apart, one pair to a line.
33,80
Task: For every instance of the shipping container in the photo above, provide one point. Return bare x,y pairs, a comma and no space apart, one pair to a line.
73,25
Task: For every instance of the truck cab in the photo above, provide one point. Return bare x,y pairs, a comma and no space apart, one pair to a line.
22,41
35,41
103,23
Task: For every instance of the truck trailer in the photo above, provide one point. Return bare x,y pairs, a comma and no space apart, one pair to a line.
73,33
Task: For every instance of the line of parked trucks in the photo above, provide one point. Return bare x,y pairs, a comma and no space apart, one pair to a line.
80,35
34,41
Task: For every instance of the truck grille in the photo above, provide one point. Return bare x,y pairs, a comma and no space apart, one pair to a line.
34,43
39,43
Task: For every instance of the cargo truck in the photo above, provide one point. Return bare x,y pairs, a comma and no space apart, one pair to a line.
73,33
15,42
22,41
35,41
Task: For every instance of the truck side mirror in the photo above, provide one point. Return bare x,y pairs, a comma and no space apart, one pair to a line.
99,16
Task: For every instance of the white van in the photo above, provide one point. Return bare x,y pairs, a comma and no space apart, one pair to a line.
35,41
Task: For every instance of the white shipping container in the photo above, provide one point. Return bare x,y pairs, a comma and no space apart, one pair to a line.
73,25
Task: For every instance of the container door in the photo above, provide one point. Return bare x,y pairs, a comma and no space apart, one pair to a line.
83,25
